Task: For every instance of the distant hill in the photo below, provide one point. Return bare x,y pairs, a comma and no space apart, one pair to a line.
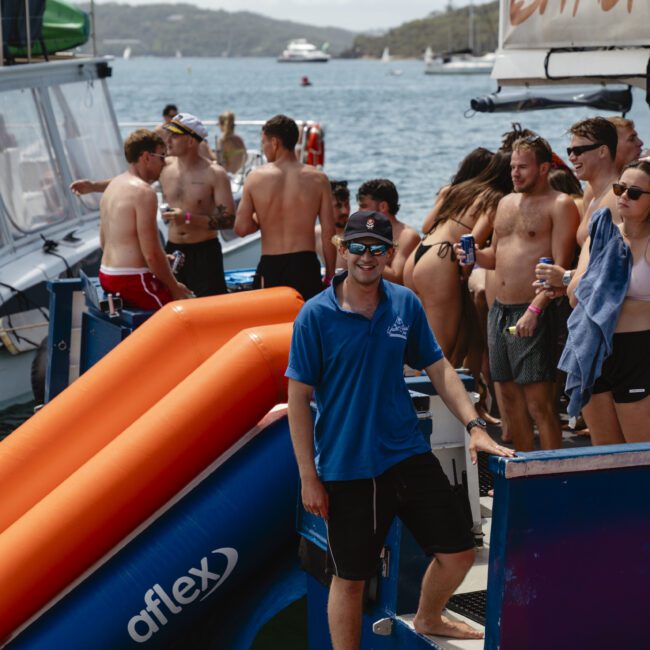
441,31
162,29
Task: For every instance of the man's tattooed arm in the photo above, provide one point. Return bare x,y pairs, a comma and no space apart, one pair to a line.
220,219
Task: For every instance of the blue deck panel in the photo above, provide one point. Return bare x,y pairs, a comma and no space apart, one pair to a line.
570,550
247,504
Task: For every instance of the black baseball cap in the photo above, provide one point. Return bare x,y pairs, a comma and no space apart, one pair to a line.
368,223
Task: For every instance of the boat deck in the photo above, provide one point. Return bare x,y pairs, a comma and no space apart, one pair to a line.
475,581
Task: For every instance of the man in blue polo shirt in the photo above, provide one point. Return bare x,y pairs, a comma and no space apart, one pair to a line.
365,460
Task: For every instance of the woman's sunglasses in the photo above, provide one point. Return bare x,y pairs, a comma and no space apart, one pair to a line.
374,249
633,193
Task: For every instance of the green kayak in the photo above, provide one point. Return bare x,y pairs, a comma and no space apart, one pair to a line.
64,27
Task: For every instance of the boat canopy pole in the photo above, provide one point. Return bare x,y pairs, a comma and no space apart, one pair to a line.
28,31
92,26
2,44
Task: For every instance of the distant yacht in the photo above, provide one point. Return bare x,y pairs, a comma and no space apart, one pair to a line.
385,56
300,51
459,63
179,54
127,52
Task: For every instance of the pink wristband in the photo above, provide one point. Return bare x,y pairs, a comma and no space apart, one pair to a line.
535,310
188,217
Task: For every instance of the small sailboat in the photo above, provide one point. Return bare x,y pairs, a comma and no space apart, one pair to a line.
126,55
385,56
460,61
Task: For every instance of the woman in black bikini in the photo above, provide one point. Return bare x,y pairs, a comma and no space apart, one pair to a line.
432,272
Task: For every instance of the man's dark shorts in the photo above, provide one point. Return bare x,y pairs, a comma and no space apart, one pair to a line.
202,271
298,270
522,359
361,512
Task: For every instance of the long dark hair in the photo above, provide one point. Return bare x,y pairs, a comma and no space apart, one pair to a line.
472,165
492,184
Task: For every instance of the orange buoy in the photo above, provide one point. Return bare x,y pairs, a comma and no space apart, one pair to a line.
315,146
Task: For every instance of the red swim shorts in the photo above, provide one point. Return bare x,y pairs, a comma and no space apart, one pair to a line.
138,288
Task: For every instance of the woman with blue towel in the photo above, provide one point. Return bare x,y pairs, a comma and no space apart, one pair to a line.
607,356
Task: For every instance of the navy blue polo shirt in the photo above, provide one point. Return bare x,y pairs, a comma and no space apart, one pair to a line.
365,420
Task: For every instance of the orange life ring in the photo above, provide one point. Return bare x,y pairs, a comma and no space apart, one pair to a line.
315,147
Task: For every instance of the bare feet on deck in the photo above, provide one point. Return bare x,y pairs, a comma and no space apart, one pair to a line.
447,627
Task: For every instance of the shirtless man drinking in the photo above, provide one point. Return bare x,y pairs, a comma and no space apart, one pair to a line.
201,203
283,199
535,221
134,263
381,195
200,199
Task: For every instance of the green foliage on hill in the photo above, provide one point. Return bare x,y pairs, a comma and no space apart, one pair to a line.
441,32
162,29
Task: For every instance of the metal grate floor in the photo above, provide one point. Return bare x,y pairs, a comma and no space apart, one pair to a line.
472,605
485,478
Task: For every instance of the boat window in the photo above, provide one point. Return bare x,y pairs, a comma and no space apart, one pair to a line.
88,134
30,193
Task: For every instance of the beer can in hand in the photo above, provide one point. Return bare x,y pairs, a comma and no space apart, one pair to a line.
545,260
178,261
467,243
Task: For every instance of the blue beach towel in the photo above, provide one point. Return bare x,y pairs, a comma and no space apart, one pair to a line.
600,293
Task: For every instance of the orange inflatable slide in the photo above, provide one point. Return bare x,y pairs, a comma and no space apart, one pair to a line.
130,433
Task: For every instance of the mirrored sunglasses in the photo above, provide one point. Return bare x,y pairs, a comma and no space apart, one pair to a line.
356,248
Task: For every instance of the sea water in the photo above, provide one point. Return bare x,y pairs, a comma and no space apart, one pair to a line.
408,127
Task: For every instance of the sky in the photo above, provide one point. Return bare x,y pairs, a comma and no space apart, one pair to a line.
356,15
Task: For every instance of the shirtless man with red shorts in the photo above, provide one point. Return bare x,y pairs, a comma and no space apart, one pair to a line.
134,263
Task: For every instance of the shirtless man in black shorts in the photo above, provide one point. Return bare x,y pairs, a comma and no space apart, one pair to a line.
282,199
535,221
201,204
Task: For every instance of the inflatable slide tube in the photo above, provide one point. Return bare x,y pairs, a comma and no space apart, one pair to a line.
126,383
140,470
151,593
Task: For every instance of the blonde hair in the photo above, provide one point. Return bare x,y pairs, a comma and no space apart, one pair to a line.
621,122
227,122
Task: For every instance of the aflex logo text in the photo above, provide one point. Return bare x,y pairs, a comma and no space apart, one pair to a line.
185,590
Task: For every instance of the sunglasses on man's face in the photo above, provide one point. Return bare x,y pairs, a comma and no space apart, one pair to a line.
579,150
633,193
375,250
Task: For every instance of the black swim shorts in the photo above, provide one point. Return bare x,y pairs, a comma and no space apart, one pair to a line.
202,271
626,373
361,512
522,359
300,271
